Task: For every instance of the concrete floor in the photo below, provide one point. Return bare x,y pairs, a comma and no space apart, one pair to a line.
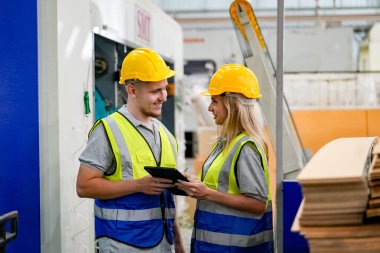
185,212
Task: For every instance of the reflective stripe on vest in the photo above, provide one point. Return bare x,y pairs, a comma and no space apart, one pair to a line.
133,215
135,219
219,225
235,240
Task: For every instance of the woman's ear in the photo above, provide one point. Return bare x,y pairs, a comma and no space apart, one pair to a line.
131,90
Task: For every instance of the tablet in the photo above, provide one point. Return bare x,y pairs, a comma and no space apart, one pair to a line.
169,173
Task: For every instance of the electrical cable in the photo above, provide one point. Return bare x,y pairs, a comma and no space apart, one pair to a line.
75,210
75,238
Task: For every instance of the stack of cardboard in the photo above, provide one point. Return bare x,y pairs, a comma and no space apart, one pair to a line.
336,195
374,184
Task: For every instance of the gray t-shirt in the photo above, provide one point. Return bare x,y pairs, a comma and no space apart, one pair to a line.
250,171
98,155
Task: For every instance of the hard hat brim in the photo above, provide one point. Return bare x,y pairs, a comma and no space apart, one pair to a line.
171,73
205,93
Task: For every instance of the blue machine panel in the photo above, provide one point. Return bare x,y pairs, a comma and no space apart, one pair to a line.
19,137
293,242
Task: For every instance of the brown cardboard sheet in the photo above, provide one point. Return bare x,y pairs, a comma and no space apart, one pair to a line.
342,160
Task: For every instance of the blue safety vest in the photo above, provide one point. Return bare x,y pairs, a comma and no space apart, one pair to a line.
138,219
218,228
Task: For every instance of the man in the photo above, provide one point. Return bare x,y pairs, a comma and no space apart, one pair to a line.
134,212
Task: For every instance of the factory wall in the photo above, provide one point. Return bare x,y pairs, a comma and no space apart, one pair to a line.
19,141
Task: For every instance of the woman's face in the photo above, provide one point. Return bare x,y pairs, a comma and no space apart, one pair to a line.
218,109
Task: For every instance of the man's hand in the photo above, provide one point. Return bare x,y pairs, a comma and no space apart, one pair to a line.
153,185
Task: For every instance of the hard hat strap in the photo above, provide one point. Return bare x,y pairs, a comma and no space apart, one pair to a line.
132,81
241,98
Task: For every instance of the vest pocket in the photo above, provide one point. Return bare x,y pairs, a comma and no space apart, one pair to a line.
145,158
128,225
140,233
213,222
209,249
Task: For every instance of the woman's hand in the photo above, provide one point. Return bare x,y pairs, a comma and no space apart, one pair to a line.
194,188
199,190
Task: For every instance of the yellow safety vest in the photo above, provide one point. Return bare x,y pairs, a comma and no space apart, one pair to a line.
122,133
137,219
224,229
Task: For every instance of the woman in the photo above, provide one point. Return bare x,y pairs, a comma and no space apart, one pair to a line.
234,211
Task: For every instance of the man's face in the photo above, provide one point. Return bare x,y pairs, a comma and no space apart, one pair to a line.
150,97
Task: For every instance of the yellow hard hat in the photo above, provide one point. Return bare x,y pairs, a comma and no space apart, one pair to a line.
234,78
146,65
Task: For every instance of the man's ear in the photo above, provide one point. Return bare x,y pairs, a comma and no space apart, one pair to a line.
131,90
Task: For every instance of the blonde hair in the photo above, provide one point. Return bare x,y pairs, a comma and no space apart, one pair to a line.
241,118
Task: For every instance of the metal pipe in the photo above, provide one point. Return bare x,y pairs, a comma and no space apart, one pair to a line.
279,127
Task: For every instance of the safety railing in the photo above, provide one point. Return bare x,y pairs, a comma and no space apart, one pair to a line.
7,235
